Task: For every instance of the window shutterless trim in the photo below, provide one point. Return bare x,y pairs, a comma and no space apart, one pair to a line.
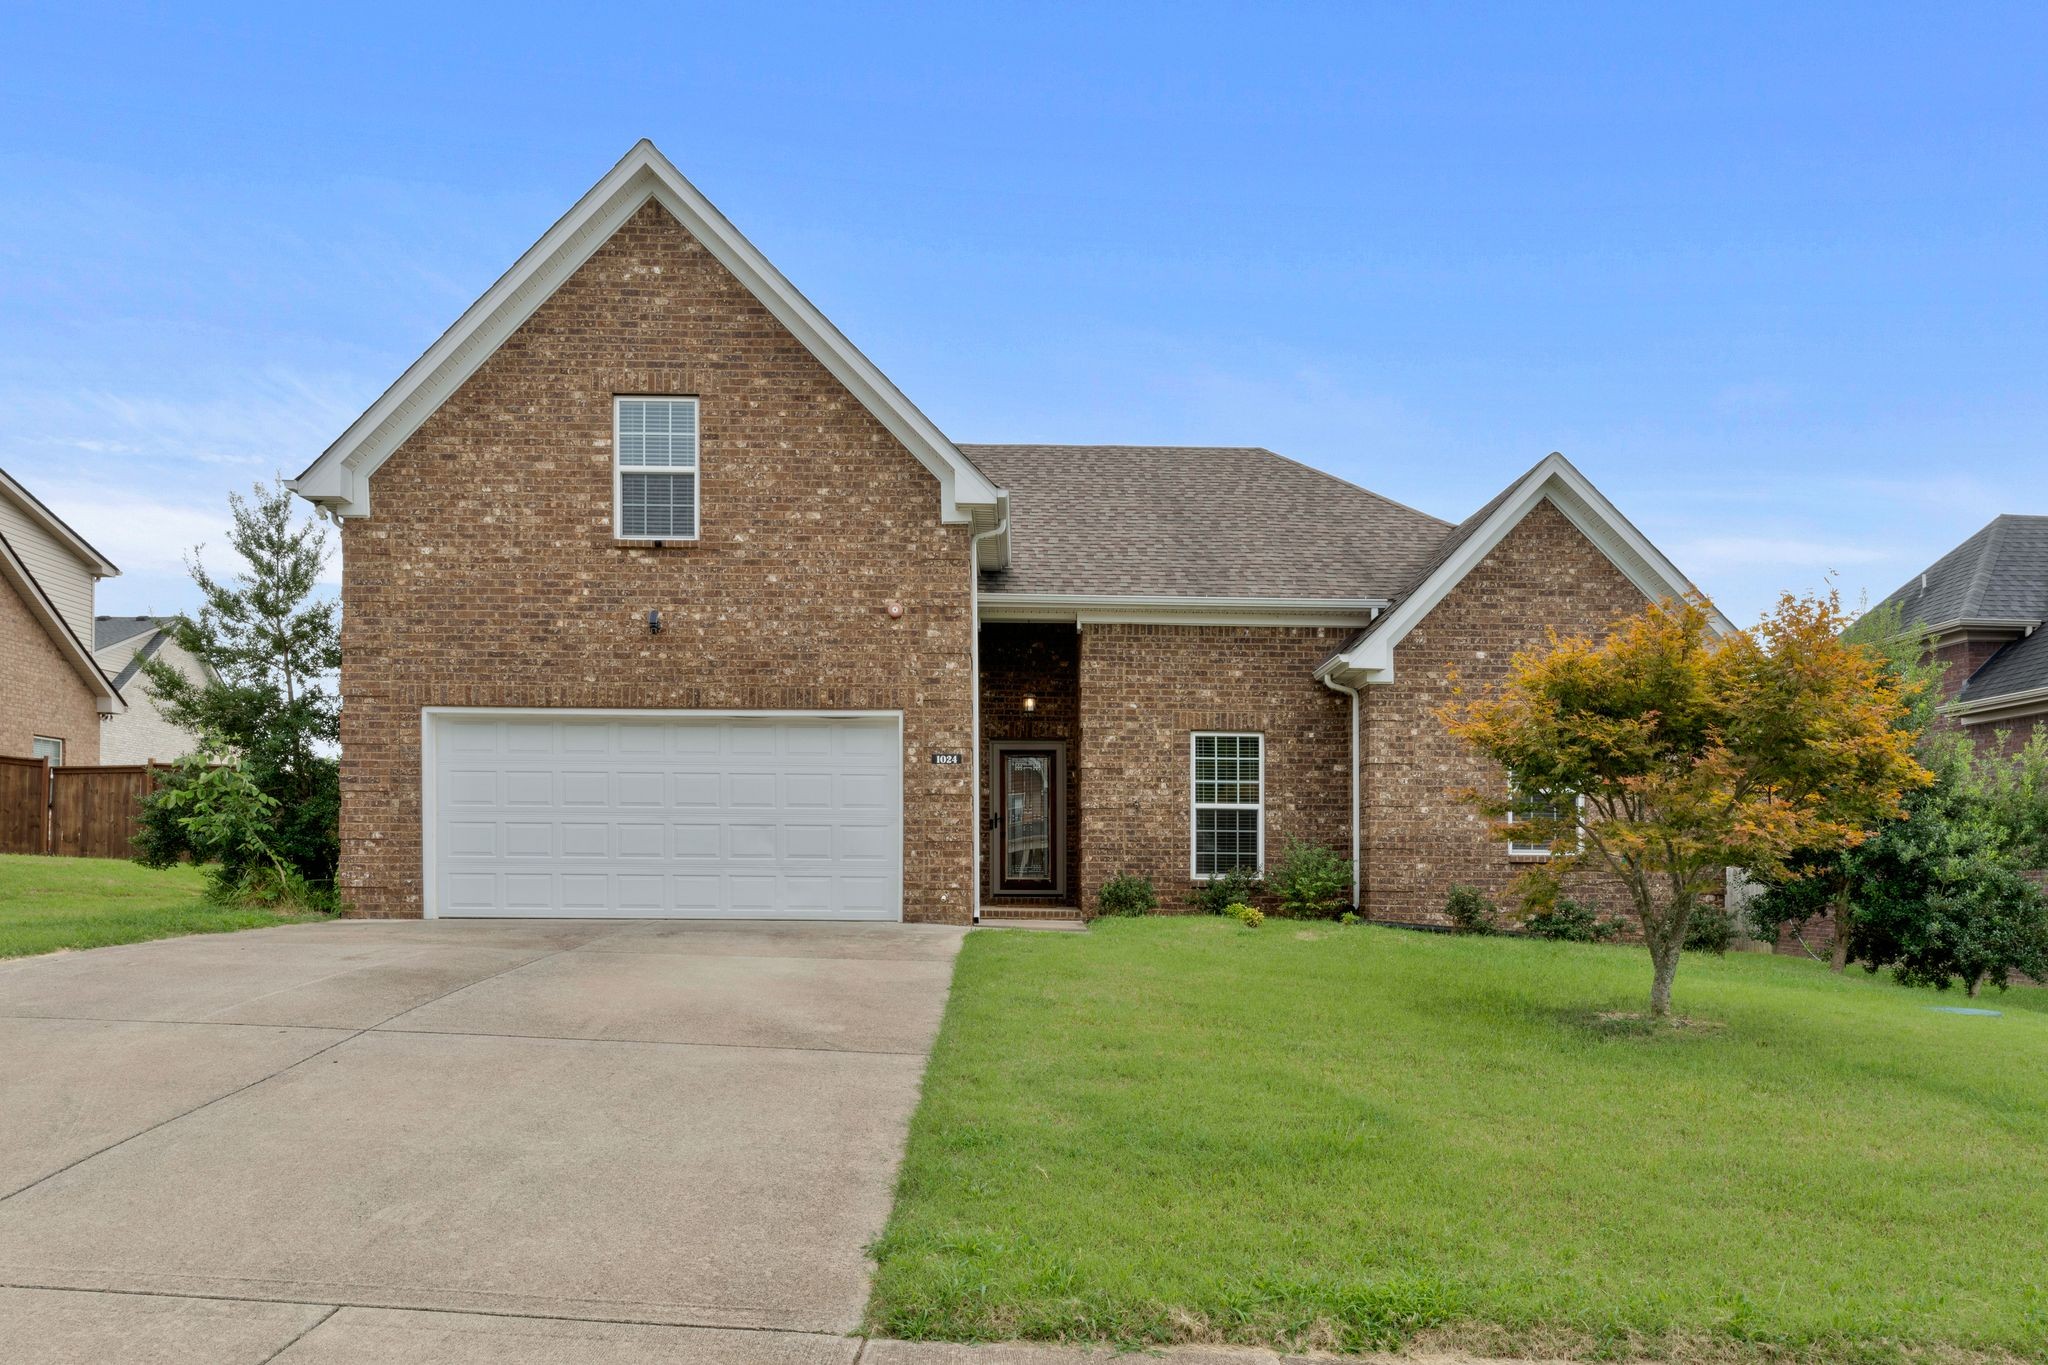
1196,806
1516,850
695,470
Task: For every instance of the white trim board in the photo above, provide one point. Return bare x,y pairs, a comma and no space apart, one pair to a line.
1105,608
339,481
1556,481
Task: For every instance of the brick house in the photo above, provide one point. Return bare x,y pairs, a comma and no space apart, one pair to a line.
1982,606
660,599
53,695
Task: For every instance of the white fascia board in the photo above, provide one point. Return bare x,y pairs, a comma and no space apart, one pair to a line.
106,697
2009,706
1963,625
32,507
1167,610
1557,481
339,479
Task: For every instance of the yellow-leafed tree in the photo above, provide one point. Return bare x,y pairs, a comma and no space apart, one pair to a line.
1666,752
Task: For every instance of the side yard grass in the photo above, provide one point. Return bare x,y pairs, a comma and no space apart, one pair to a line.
1180,1130
52,903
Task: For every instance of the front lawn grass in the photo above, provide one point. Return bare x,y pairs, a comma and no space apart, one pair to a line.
1177,1129
52,903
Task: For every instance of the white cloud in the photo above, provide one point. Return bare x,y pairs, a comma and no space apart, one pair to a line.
149,536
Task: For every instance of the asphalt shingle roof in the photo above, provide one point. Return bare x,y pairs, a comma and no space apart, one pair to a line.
1182,521
2021,666
111,630
1998,574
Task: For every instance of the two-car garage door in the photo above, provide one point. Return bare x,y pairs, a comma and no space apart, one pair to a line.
684,815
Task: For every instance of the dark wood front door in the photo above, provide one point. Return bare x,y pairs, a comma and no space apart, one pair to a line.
1030,820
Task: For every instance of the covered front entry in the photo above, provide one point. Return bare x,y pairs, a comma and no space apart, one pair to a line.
1030,782
663,814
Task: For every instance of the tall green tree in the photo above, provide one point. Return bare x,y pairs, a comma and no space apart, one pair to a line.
1941,896
272,641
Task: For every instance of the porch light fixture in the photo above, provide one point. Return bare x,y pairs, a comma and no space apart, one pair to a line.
654,621
1031,703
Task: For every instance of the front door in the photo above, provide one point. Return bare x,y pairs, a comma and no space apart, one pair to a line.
1030,819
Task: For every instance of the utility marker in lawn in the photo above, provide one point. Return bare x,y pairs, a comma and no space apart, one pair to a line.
1667,752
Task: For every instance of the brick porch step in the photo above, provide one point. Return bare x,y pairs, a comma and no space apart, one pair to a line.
1031,917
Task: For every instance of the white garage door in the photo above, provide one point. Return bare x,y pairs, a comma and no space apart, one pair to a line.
761,817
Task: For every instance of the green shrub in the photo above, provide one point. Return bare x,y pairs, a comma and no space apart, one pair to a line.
1311,881
1569,921
1470,912
1347,919
1710,930
1129,894
1250,916
1218,894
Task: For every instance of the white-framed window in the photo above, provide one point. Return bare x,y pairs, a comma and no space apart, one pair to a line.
45,747
654,468
1228,816
1526,806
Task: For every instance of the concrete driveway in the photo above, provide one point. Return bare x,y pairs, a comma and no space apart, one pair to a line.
457,1141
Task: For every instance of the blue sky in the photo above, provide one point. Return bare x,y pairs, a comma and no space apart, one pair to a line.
1775,280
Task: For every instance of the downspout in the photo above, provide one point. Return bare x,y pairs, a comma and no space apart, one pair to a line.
1356,871
1001,527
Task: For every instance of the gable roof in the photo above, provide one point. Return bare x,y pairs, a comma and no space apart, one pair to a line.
106,697
1197,522
339,481
111,630
32,507
1998,577
1554,479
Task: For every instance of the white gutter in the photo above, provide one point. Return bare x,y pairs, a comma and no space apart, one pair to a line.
1356,871
1002,527
1996,707
1167,609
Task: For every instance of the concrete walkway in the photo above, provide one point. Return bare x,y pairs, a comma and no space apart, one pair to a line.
458,1141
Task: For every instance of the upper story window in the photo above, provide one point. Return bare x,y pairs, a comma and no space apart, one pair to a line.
654,468
1527,806
1229,804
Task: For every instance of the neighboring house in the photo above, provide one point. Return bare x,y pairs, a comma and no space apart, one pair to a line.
52,693
662,600
1982,605
122,645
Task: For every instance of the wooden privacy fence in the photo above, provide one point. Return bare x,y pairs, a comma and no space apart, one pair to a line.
77,812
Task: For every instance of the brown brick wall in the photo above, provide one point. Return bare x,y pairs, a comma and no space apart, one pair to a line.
1419,838
1965,657
40,693
487,575
1146,689
1040,661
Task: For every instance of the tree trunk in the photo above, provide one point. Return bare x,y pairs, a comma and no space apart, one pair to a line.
1838,957
1664,969
1975,982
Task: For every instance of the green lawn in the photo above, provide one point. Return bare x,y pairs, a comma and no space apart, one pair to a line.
52,903
1182,1130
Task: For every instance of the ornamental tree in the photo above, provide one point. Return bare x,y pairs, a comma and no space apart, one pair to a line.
1667,752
